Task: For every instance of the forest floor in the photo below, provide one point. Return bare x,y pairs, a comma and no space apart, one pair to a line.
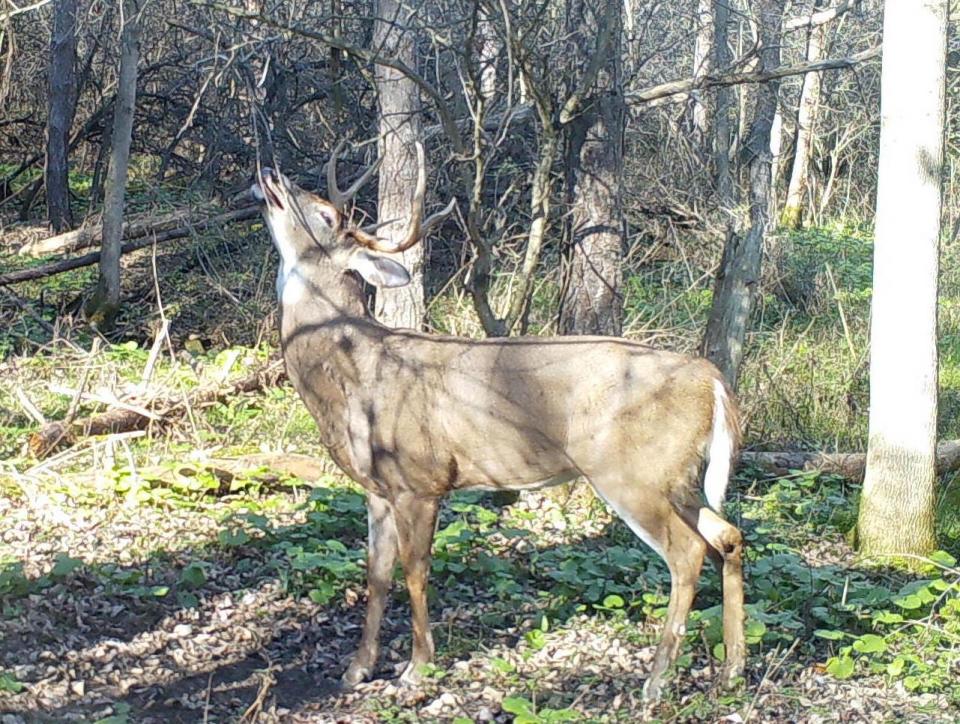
175,574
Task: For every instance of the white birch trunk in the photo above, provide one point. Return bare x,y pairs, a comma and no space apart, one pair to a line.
897,504
803,146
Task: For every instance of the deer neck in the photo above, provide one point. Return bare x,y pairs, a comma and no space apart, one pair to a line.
308,286
327,338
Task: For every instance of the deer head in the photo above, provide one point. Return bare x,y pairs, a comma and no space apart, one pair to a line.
308,229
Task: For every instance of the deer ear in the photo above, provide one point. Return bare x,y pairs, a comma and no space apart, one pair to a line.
378,270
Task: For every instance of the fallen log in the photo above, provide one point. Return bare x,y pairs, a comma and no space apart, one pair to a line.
58,435
58,267
92,234
269,469
847,465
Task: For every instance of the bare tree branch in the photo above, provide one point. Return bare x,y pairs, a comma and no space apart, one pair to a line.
367,56
821,17
677,87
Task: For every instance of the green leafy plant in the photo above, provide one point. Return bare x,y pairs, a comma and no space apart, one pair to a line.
525,712
9,684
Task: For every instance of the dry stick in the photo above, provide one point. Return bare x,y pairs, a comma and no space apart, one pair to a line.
81,389
58,267
24,305
767,675
125,416
30,408
843,316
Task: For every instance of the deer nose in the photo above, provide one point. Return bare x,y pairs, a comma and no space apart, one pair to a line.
268,174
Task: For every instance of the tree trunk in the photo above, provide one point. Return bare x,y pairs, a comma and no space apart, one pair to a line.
489,52
897,503
703,56
592,301
103,306
722,131
61,103
101,165
738,277
792,215
400,127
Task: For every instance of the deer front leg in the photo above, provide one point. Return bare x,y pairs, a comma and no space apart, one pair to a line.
381,558
416,522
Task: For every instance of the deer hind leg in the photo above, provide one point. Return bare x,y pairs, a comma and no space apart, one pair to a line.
726,550
416,521
683,549
381,559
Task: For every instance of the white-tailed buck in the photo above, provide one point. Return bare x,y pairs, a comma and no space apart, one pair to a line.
412,417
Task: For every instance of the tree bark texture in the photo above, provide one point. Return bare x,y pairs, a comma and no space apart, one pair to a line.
62,96
703,56
400,128
723,103
106,299
792,215
897,504
739,274
592,300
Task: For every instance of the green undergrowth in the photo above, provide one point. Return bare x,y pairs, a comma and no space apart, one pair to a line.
528,575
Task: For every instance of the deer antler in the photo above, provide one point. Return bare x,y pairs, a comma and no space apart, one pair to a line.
339,198
418,228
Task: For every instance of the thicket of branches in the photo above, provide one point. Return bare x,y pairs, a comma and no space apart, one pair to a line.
217,86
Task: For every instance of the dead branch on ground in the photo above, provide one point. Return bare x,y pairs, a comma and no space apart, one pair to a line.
58,267
134,414
847,465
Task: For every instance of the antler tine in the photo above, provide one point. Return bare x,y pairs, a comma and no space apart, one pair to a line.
333,190
339,198
416,209
435,219
417,228
372,228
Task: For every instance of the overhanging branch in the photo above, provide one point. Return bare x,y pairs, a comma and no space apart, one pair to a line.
653,95
678,87
367,56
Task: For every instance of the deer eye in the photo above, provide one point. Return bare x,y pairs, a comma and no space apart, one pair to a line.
328,217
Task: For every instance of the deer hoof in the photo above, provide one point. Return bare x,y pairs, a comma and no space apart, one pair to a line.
730,675
354,674
411,676
652,689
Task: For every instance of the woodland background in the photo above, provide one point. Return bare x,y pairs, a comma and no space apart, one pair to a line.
162,553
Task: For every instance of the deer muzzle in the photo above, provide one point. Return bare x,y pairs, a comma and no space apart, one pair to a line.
269,188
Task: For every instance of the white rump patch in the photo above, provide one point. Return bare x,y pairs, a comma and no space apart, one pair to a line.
721,448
